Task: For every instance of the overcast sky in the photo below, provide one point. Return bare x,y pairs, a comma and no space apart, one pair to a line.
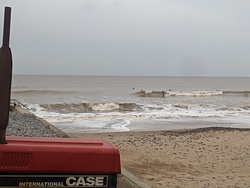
130,37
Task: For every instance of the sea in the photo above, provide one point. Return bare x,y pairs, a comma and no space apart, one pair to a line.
96,104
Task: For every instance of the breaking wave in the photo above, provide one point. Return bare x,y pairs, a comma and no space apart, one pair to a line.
143,93
92,107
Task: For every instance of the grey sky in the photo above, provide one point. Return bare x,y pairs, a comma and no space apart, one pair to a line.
130,37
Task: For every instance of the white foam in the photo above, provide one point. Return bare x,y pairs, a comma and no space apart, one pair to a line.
103,107
148,92
93,126
193,93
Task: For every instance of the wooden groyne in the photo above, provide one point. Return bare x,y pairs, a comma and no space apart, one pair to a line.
14,103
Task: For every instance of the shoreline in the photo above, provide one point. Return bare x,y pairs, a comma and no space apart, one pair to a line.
146,125
175,125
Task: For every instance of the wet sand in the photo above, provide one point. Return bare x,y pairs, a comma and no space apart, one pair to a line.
205,157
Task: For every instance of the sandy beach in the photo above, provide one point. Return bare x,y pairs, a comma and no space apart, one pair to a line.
207,157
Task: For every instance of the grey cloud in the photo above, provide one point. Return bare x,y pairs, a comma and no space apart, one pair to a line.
130,37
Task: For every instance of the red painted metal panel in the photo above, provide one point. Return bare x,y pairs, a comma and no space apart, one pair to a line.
59,156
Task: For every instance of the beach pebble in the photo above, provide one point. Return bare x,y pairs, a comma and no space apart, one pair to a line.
25,124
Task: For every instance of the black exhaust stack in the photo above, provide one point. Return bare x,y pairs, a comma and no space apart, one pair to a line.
5,76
